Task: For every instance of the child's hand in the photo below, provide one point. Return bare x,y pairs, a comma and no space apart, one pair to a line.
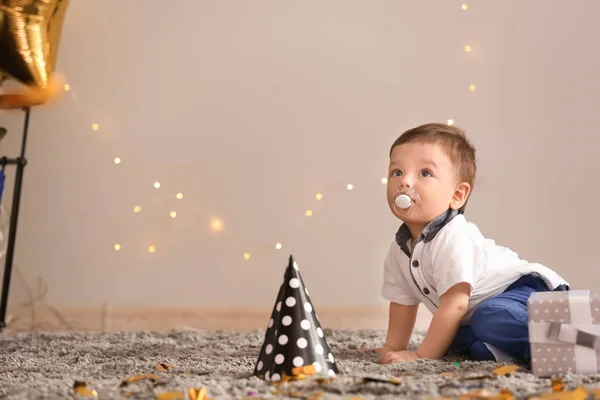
399,357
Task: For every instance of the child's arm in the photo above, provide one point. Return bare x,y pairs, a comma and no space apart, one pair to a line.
400,326
445,322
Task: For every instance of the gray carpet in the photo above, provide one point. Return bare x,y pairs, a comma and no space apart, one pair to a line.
46,365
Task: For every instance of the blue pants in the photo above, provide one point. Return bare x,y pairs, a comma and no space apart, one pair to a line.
502,322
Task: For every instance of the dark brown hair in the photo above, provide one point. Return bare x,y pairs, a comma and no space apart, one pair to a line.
459,149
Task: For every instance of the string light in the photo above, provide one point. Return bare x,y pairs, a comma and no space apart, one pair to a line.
308,213
137,209
67,87
350,186
319,196
117,247
472,87
384,181
157,184
450,122
179,196
216,224
173,214
465,7
468,48
278,246
151,249
95,127
247,256
117,160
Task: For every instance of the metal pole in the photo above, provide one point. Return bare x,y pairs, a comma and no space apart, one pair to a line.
14,217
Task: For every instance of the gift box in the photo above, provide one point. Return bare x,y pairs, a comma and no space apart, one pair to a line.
564,332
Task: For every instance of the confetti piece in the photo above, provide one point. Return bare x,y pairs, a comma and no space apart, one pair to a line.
305,370
395,381
507,369
197,394
171,396
456,363
481,394
557,385
577,394
82,389
136,378
164,366
324,381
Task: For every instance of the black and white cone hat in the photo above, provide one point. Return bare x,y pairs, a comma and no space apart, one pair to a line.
294,336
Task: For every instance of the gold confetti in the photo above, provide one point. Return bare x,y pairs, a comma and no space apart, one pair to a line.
507,369
305,370
82,389
171,396
382,380
197,394
577,394
480,394
164,366
557,385
136,378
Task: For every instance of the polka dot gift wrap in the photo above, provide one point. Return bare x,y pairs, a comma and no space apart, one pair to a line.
294,336
564,331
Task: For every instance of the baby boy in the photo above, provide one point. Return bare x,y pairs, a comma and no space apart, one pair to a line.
476,290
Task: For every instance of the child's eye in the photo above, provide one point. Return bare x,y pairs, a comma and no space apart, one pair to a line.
396,172
425,174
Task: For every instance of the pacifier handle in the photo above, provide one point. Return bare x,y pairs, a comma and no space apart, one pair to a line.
403,201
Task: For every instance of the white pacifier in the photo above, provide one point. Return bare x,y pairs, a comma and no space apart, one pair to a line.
407,201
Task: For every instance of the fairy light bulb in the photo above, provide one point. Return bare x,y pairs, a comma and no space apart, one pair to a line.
350,186
278,246
137,209
450,122
216,225
465,7
173,214
384,181
179,196
117,160
308,213
151,249
95,127
472,87
247,256
67,87
468,48
157,184
319,196
117,247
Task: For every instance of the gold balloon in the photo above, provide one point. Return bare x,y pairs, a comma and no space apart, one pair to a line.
30,33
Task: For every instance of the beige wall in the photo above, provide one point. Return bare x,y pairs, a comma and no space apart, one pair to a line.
251,108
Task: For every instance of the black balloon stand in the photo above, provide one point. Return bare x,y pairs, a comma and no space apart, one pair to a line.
20,162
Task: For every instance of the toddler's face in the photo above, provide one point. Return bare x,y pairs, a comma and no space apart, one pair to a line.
426,168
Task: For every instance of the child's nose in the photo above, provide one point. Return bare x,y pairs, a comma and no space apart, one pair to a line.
406,182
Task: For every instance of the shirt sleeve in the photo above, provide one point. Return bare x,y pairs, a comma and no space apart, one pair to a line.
458,260
395,288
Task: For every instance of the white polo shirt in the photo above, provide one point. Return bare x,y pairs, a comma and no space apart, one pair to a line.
449,251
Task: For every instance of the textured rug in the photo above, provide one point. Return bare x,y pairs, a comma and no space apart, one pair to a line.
47,365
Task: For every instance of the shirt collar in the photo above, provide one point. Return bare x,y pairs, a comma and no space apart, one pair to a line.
431,229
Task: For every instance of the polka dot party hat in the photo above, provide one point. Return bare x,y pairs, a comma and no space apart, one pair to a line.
294,343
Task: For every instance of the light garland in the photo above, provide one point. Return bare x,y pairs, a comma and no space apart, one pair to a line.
216,224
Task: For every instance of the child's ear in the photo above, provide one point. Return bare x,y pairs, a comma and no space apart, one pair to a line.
460,196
